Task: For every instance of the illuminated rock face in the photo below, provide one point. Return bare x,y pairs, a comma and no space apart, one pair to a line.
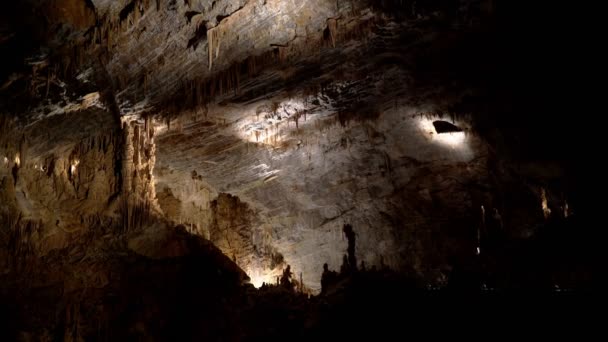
165,46
397,182
66,170
153,151
262,126
265,126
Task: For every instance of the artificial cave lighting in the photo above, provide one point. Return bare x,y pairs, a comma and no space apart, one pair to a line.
450,137
262,170
258,277
74,166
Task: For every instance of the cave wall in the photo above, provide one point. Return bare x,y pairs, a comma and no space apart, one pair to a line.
62,173
266,136
404,190
152,152
417,200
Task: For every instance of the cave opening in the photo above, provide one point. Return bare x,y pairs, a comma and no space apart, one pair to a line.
442,127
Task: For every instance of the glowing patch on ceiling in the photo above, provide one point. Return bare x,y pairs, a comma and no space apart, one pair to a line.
443,132
273,127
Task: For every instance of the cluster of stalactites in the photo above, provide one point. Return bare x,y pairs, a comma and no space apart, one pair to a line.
200,91
139,195
101,38
100,145
19,237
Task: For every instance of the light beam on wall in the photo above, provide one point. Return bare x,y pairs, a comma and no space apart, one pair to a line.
258,277
441,132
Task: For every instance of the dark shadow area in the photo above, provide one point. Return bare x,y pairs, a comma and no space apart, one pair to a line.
445,127
200,296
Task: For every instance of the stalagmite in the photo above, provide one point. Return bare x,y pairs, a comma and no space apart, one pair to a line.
545,207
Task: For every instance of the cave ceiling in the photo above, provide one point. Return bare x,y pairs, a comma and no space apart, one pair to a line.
263,126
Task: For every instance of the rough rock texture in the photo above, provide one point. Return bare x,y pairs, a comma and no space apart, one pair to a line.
267,138
139,139
335,145
62,180
400,186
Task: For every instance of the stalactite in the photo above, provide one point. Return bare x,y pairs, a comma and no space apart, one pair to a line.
213,41
296,118
332,26
136,15
220,83
251,66
217,43
48,83
228,80
281,53
237,74
136,146
147,127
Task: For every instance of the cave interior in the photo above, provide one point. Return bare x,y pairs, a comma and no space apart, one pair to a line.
285,169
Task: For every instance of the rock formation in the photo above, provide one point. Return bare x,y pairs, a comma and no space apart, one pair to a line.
145,140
